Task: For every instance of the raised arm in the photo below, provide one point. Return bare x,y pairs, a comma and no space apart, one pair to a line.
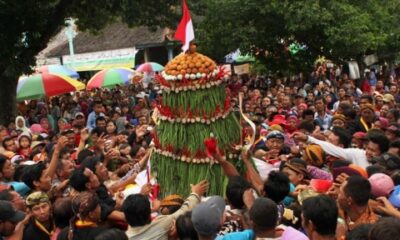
61,143
251,173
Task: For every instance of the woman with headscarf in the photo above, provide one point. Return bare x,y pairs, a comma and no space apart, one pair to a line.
20,125
296,170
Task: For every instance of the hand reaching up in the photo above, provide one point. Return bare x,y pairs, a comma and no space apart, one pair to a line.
200,188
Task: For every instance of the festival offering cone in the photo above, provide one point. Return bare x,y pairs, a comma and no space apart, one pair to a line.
194,105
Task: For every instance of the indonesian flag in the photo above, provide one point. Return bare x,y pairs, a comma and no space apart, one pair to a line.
184,32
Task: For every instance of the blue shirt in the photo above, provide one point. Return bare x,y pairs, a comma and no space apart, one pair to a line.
91,122
324,122
244,235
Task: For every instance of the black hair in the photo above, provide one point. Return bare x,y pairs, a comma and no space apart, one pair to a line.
6,139
359,189
395,144
368,98
395,113
277,186
184,227
3,161
340,163
237,185
98,131
386,228
349,113
112,233
100,118
307,125
78,180
134,150
307,112
6,195
388,161
137,210
19,170
295,221
380,139
62,212
98,102
343,135
32,173
395,175
359,233
371,170
322,211
317,98
85,153
90,162
82,205
264,207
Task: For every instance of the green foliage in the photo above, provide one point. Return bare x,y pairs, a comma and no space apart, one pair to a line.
174,176
340,30
27,26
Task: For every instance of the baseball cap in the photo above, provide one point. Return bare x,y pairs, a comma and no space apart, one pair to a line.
388,97
275,134
206,217
37,143
381,185
79,114
9,213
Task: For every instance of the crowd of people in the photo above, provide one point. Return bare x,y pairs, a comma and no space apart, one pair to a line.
325,164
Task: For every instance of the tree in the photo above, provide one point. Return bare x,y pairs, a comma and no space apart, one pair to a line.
27,26
339,30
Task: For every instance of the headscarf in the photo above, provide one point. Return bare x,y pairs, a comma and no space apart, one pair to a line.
24,128
339,116
297,167
314,155
36,198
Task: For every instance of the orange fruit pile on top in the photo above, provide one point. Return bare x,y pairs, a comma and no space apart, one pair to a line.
190,63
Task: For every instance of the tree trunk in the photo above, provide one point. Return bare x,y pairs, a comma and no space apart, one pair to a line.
8,102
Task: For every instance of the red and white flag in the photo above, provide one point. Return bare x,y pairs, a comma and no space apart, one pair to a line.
185,32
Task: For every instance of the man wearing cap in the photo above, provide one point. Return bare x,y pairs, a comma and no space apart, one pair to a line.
274,146
9,218
269,154
208,217
41,224
389,99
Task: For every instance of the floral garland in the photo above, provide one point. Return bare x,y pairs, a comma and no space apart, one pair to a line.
191,81
188,159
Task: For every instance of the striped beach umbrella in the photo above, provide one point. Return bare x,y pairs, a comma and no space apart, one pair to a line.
59,70
46,85
110,78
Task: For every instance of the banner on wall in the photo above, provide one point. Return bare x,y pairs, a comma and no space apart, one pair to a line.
95,61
